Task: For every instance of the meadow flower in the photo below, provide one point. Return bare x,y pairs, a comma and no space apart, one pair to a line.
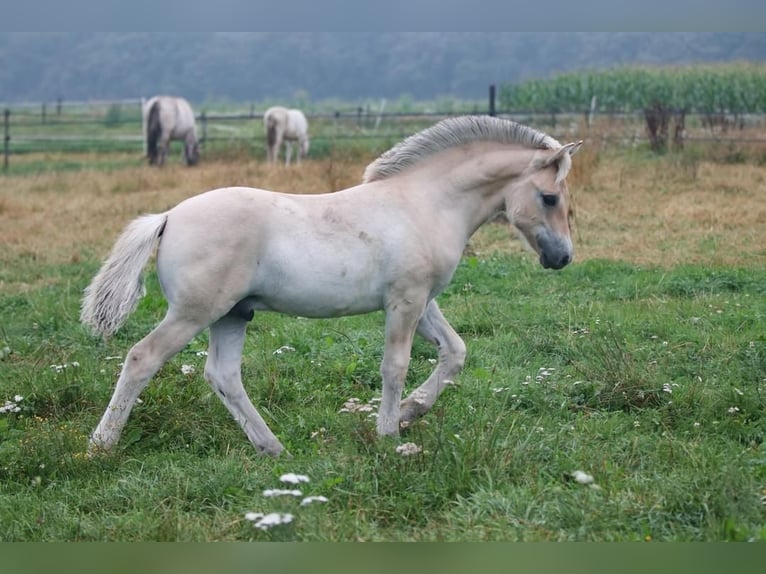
281,492
11,406
187,369
293,478
353,405
309,499
266,521
201,353
282,349
544,372
316,433
60,368
733,410
582,477
408,449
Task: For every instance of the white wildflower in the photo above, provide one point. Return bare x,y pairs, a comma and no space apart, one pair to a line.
60,368
666,388
201,353
187,369
18,398
9,407
281,492
271,519
353,405
733,410
282,349
253,516
582,477
309,499
408,449
293,478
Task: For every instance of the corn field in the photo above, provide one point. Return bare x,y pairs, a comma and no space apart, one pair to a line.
721,94
713,89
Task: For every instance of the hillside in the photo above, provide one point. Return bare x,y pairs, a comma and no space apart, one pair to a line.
346,66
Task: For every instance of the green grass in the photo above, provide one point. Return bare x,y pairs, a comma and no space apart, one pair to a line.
566,371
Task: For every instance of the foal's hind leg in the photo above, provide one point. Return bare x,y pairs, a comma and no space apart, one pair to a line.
435,329
223,373
141,363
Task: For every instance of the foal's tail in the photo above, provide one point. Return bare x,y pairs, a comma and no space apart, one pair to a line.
153,132
115,290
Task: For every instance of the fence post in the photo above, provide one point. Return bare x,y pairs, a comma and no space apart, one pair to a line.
45,110
492,111
59,102
6,137
203,121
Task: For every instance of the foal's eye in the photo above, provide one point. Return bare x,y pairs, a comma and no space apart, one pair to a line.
550,199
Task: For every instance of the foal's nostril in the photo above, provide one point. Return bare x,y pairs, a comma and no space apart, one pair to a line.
565,260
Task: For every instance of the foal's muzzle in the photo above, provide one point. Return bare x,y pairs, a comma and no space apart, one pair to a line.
554,253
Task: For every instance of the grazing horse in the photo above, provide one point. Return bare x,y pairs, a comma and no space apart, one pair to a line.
168,118
391,243
285,125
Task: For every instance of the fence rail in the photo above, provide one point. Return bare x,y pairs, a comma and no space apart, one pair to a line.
111,126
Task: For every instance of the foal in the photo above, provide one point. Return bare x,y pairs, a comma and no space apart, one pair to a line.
391,243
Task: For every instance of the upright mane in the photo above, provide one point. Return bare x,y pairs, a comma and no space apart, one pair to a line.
453,132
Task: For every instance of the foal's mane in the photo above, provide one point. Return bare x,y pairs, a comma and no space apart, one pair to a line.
453,132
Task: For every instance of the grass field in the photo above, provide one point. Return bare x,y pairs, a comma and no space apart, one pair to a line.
642,365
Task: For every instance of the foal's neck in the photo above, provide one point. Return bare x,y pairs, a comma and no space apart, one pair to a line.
474,176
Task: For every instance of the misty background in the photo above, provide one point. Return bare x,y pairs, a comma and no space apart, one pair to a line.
254,66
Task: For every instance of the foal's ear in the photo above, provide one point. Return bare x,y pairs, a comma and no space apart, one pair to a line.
568,149
573,147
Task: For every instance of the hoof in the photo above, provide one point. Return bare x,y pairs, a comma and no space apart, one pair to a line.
410,411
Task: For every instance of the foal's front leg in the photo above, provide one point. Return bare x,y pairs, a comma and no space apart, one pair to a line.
435,329
401,320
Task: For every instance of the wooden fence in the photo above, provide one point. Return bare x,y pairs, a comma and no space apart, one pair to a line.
115,126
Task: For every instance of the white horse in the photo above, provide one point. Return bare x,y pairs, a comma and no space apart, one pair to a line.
167,118
391,243
283,125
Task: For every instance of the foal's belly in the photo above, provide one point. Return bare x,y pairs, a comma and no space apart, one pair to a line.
319,290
